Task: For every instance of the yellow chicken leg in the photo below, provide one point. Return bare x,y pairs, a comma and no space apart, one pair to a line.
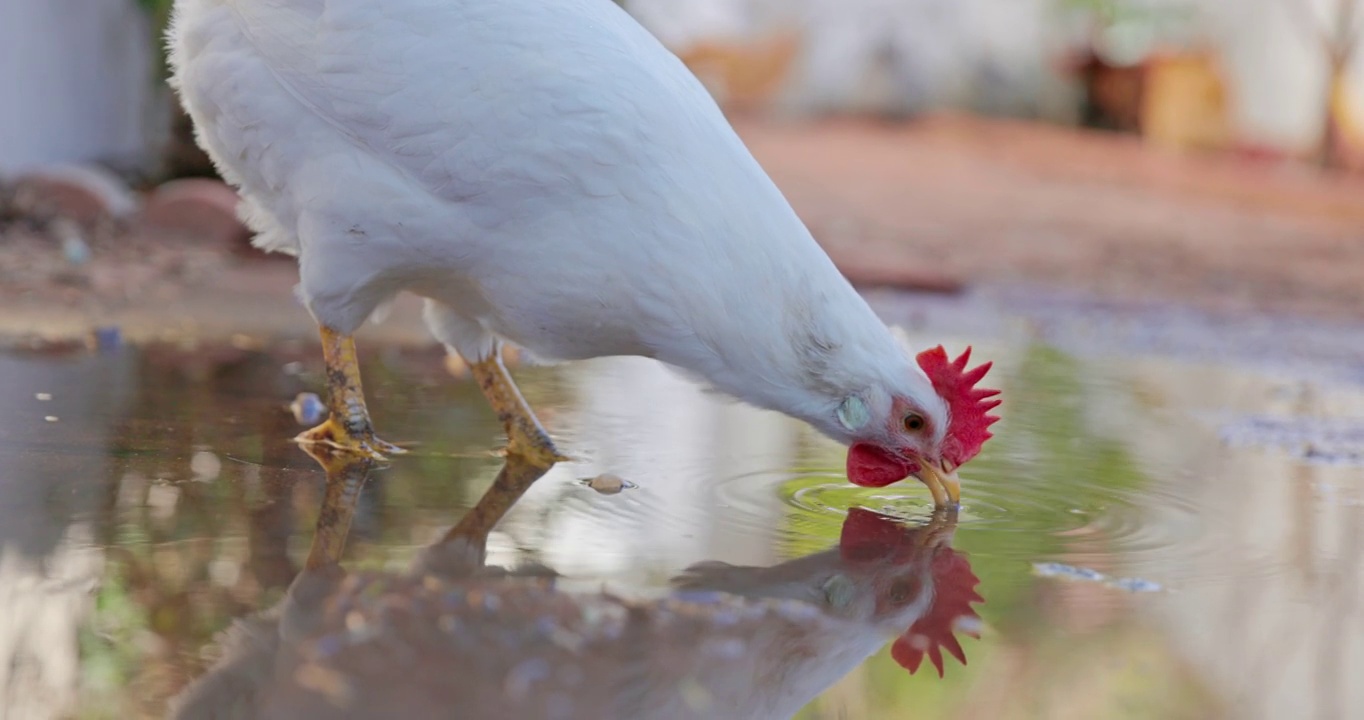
348,427
526,439
530,452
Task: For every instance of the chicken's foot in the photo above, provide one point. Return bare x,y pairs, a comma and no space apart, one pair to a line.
348,427
526,438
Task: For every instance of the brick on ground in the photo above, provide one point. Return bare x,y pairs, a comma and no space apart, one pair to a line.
196,209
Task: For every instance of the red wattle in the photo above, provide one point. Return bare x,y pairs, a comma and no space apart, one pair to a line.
872,466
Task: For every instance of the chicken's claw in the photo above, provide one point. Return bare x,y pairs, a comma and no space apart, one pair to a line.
361,440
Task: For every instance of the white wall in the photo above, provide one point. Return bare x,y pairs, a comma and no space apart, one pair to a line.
1277,70
75,82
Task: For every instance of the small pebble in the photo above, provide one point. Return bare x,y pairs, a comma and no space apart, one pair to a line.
108,338
205,465
1323,441
520,680
328,645
456,366
608,484
569,641
699,597
327,682
546,626
242,341
72,246
1069,572
1136,585
695,695
724,618
308,409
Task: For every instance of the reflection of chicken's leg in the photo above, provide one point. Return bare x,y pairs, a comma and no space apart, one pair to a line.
530,451
346,476
525,437
348,427
515,478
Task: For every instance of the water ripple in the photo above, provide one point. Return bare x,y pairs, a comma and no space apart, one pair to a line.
1154,527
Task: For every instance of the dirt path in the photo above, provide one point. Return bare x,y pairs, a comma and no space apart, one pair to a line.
996,202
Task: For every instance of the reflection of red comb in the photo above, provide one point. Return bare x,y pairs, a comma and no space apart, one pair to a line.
954,589
870,536
969,426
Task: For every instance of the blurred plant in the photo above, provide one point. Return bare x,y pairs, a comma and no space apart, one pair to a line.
159,11
1124,32
157,8
1108,12
181,155
1338,41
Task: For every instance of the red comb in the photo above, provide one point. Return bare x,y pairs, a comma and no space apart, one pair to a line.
954,589
969,406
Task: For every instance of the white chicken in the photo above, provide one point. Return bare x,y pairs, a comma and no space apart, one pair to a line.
545,172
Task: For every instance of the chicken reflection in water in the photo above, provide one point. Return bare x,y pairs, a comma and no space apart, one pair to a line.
456,637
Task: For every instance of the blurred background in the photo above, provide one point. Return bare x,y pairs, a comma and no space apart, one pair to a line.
1208,150
81,78
1048,177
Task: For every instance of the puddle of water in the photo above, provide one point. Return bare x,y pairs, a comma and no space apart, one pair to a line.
156,528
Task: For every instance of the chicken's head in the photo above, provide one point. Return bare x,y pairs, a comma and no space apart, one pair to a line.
927,437
929,567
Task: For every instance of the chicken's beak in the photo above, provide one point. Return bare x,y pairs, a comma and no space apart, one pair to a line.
942,482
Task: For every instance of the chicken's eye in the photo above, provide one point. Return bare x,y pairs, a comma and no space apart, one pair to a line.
914,422
903,590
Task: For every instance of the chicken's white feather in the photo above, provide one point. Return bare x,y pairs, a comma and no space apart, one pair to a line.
542,171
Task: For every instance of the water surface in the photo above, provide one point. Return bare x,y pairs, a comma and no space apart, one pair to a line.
1158,529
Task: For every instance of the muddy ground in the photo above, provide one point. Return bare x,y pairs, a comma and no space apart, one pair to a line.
939,204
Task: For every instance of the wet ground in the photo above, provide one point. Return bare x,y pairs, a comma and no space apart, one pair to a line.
1169,523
